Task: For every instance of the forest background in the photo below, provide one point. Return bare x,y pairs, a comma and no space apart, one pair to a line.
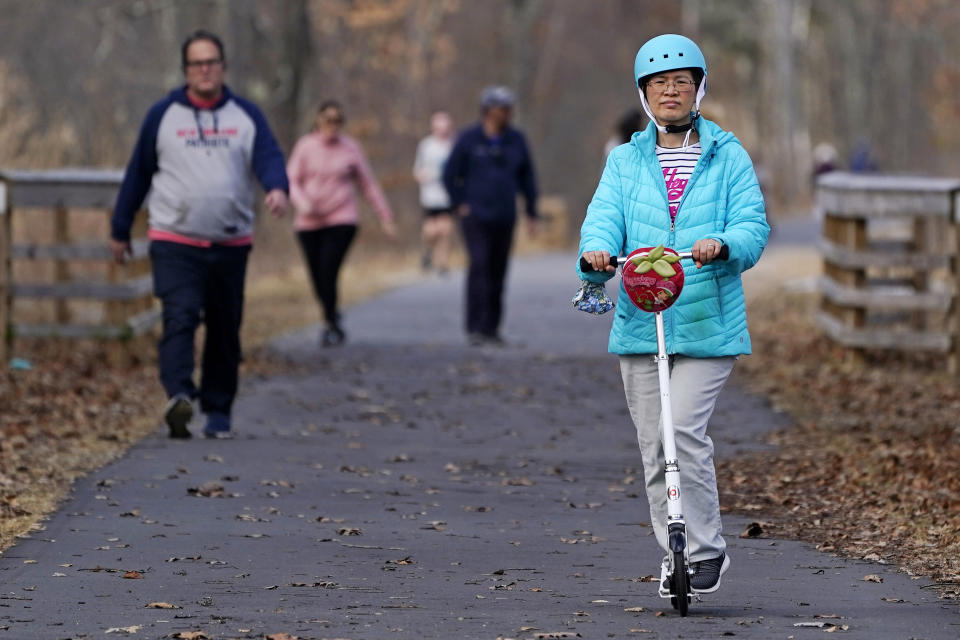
77,76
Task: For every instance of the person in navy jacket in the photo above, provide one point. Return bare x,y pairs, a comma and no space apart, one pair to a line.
194,164
490,163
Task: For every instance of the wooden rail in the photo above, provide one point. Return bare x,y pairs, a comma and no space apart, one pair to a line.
125,291
889,250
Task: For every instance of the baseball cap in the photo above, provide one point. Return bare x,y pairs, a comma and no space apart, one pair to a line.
496,96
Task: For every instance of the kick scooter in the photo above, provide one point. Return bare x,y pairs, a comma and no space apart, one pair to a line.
675,570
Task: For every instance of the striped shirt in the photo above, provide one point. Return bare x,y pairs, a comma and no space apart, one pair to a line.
677,165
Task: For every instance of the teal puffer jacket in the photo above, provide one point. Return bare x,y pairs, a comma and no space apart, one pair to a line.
722,201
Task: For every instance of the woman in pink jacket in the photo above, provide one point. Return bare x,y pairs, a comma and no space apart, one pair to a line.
325,169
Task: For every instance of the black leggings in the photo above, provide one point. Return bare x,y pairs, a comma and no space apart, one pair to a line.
324,251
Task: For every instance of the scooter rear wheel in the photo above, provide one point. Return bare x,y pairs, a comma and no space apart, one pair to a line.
680,582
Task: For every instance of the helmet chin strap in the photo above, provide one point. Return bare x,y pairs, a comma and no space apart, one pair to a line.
676,128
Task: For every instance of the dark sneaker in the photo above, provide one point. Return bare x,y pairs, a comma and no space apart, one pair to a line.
218,425
332,337
706,574
177,415
486,340
495,341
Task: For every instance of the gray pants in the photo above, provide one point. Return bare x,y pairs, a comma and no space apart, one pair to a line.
695,384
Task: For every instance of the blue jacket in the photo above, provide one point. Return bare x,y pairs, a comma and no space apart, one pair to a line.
722,201
487,174
198,166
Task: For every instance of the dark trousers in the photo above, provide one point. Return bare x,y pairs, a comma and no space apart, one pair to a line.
195,285
489,247
324,251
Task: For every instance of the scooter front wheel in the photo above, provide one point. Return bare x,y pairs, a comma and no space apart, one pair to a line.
680,582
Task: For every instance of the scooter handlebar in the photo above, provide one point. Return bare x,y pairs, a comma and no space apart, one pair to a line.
586,267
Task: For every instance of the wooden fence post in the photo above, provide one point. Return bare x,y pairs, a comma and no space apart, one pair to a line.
61,266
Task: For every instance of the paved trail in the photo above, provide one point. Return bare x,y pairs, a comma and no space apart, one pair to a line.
407,486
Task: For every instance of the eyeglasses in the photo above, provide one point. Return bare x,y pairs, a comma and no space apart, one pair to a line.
682,85
197,64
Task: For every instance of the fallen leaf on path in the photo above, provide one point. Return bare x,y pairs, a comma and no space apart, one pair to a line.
634,609
349,531
281,636
828,626
208,490
132,629
753,530
162,605
872,578
190,635
133,575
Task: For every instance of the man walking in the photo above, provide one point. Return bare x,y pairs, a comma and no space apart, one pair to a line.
197,154
490,163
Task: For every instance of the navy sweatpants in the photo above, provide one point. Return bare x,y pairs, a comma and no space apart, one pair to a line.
489,247
197,284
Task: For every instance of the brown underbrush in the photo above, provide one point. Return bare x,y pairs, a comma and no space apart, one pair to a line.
870,467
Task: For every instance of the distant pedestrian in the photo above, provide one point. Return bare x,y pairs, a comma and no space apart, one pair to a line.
490,163
627,124
326,167
825,159
862,159
197,154
432,154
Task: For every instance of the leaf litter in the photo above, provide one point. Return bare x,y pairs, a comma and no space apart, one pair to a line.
881,440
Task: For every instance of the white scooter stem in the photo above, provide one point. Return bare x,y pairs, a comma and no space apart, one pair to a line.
672,469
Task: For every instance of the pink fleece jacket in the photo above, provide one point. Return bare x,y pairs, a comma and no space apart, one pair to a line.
324,175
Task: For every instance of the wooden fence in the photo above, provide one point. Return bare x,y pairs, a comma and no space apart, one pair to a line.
125,292
889,252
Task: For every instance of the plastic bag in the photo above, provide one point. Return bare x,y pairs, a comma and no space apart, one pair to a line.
592,298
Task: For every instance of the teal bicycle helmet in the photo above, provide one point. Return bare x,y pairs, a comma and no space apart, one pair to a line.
669,52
